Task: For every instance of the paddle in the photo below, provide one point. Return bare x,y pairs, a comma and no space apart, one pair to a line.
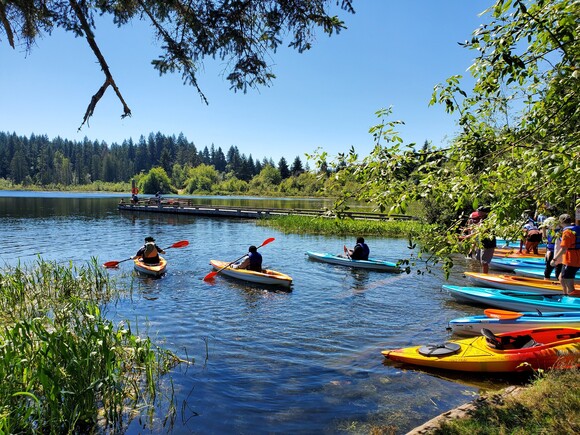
211,275
502,314
113,264
346,252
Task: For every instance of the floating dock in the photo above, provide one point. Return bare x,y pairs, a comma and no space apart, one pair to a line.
187,207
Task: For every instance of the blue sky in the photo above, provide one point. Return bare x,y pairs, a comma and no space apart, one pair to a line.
392,54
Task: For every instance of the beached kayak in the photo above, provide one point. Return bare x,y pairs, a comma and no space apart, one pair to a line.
514,282
267,276
514,300
533,272
510,264
371,263
151,269
524,350
514,253
471,325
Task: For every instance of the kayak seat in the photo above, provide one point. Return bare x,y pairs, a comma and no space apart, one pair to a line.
507,341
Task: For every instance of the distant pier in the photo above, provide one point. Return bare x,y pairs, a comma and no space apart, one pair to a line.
188,207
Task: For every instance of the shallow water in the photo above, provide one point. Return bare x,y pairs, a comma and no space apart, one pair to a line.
266,361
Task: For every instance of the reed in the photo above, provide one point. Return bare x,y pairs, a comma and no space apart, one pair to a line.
323,225
64,367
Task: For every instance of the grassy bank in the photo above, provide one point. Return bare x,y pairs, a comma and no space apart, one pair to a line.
321,225
548,406
64,367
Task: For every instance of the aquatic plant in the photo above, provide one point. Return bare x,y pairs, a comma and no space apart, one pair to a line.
64,367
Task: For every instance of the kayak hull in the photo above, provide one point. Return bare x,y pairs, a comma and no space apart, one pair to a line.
471,325
514,282
533,272
151,269
541,348
510,264
370,264
513,300
267,277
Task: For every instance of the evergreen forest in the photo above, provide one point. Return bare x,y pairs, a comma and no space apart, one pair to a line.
163,163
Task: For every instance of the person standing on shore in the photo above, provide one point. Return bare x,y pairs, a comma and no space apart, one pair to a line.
552,231
570,252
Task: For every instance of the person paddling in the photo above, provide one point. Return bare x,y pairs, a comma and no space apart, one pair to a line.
253,260
361,250
149,252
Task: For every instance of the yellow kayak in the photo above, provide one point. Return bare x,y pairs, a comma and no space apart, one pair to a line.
541,348
151,269
267,276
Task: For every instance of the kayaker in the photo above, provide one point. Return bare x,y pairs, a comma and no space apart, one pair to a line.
570,252
361,250
552,231
253,260
149,252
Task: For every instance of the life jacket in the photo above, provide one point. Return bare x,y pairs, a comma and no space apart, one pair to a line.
365,251
576,230
150,250
255,261
551,237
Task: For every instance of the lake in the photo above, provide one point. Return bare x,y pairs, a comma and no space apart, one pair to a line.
266,361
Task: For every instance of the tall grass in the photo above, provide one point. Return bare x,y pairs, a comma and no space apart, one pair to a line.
322,225
64,367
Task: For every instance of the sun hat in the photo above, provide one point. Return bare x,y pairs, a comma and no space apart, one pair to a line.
565,218
149,239
550,222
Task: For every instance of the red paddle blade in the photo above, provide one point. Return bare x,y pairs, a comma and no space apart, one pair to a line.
180,244
265,242
502,314
111,264
210,276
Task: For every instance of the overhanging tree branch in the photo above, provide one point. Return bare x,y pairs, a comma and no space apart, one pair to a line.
109,81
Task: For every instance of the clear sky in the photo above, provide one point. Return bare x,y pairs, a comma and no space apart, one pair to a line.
392,54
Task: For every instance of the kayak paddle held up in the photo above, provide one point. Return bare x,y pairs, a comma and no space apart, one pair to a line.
114,264
210,276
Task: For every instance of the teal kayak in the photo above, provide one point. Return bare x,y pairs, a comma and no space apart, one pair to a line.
511,264
533,272
514,300
371,263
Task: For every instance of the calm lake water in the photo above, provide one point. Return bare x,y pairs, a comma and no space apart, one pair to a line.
266,361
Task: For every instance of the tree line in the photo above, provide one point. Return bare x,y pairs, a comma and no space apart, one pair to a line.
37,160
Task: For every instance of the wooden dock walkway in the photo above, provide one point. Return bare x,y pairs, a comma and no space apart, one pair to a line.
187,207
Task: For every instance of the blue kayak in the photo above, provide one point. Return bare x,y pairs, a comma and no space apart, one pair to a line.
533,272
511,264
471,325
514,300
371,263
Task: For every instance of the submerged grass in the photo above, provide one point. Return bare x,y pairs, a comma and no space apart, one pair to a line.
64,367
323,225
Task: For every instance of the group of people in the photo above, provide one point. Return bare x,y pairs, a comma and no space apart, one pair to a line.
562,248
149,254
562,237
567,235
